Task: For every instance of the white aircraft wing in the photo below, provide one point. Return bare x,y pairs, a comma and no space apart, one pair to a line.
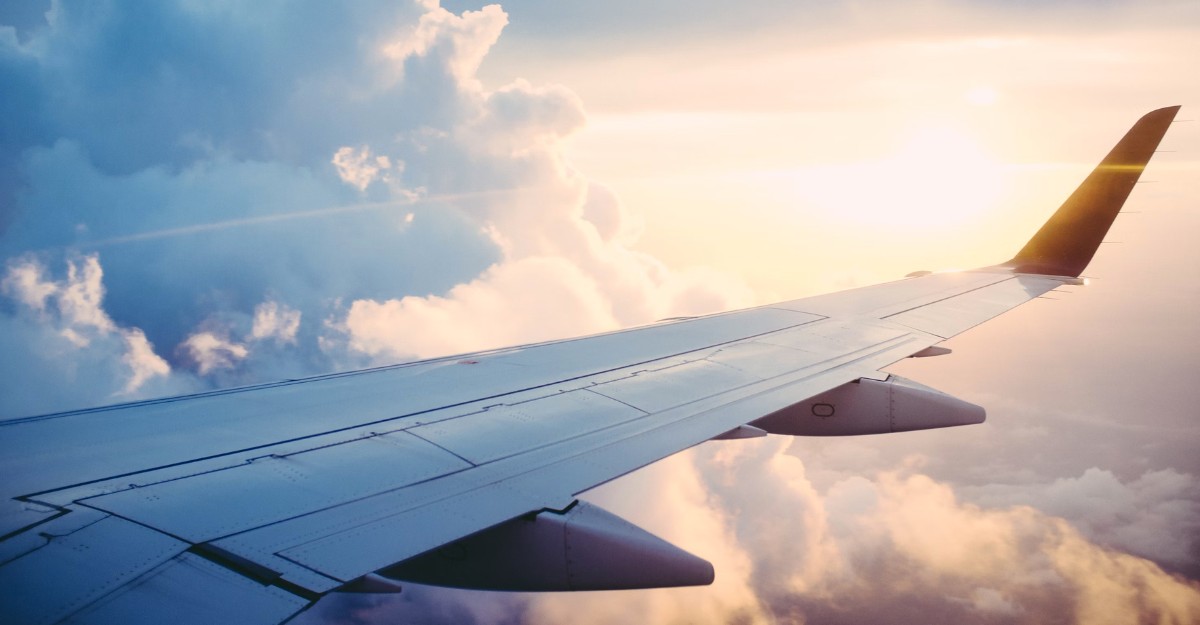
247,505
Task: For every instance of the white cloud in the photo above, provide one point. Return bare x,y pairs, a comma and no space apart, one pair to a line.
77,299
459,41
210,351
566,269
80,296
273,320
359,168
528,300
25,283
533,299
1156,515
73,340
900,536
501,230
143,363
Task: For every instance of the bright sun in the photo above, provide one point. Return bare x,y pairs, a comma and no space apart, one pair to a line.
940,177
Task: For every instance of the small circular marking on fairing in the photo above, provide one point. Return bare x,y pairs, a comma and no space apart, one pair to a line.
822,410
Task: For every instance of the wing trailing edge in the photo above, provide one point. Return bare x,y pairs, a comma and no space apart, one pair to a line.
1067,241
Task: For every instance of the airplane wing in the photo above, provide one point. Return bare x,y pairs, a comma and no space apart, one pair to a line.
247,505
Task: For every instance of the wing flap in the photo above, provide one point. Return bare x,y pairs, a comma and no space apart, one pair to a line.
78,565
192,591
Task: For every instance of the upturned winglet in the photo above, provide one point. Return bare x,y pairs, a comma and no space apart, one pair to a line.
1067,241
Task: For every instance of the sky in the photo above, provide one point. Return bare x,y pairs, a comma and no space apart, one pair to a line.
199,195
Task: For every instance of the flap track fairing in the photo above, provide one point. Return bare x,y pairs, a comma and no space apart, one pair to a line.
581,548
868,406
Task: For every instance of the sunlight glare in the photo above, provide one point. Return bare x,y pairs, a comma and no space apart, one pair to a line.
982,95
940,178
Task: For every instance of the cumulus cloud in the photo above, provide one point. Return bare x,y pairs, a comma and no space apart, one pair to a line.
57,332
364,176
358,168
144,365
1156,515
24,282
193,200
1022,560
529,300
460,42
564,268
275,321
210,351
898,546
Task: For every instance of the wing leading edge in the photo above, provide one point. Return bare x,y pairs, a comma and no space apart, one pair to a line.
464,471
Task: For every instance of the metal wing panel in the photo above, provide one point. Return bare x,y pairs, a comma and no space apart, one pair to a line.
79,565
819,342
64,450
509,429
16,514
881,300
954,315
654,342
661,389
191,591
218,503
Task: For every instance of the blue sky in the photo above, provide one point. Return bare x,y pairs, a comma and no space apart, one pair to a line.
196,195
